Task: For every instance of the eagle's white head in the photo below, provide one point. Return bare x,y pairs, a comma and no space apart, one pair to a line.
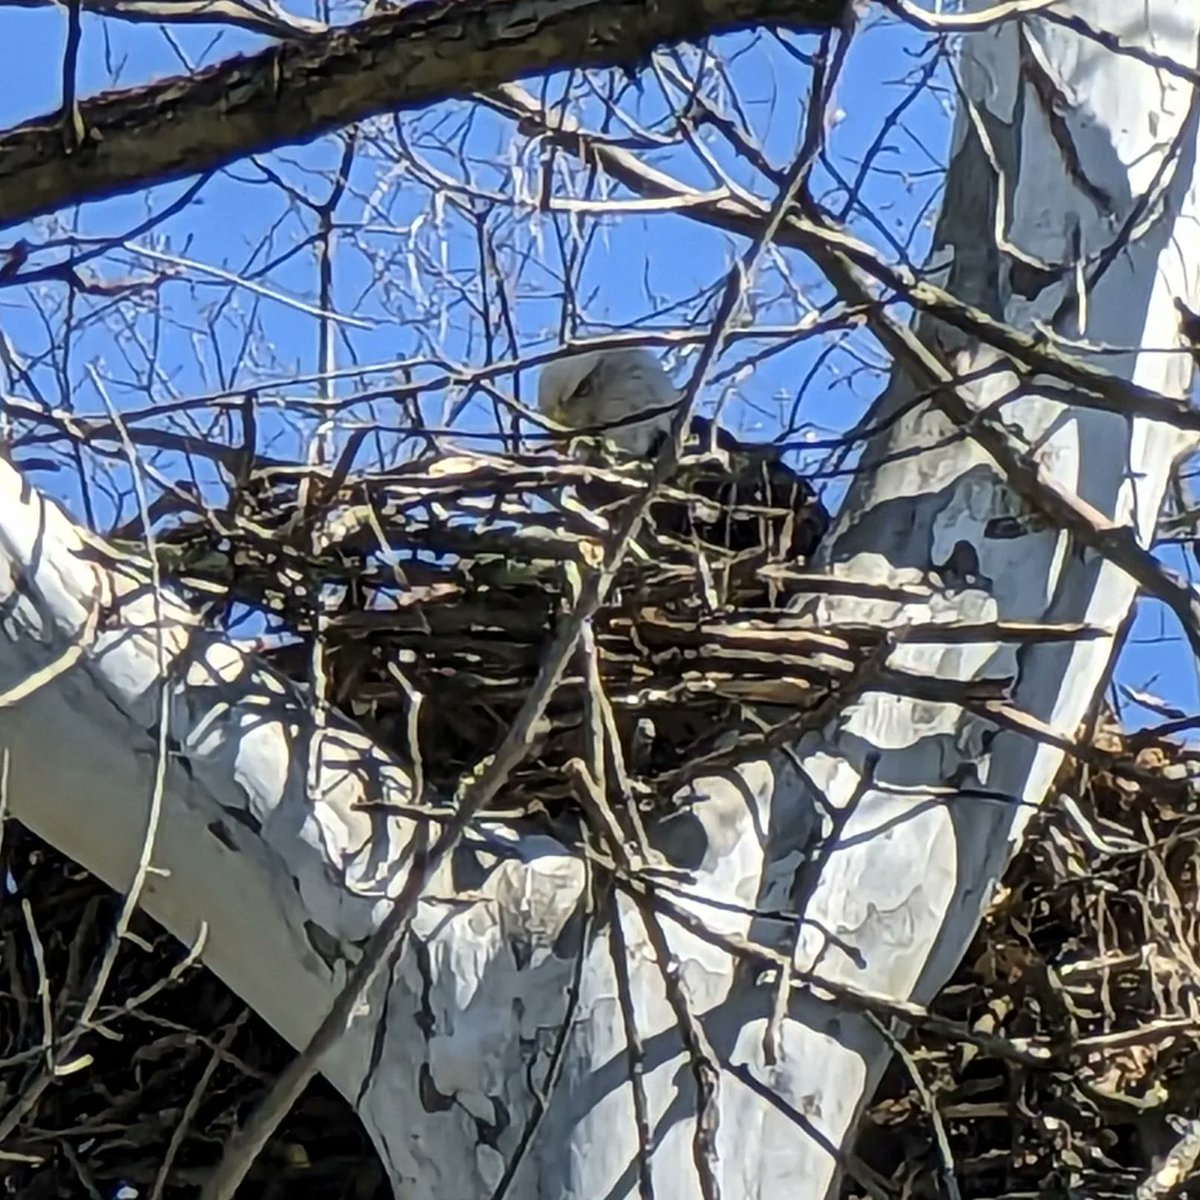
603,391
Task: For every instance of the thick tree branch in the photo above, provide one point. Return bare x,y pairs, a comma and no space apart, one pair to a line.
430,51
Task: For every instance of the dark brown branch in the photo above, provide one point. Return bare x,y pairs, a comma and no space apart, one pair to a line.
1098,388
296,90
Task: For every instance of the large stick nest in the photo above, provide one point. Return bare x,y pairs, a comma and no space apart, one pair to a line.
420,600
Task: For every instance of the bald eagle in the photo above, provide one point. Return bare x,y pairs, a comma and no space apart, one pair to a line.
744,499
622,396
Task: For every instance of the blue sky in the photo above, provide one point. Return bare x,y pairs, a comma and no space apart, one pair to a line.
407,267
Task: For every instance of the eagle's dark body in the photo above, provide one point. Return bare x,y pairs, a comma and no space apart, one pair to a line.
743,500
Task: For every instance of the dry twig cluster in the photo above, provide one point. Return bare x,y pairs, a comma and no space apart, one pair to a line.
1090,948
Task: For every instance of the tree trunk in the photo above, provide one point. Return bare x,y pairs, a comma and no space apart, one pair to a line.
1070,206
500,1046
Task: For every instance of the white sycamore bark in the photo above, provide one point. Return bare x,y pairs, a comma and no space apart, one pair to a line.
457,1066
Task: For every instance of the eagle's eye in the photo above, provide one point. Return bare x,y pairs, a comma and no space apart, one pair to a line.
584,390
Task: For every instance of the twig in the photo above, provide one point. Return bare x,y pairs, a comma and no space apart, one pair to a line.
192,1107
133,896
1176,1169
634,1050
929,1100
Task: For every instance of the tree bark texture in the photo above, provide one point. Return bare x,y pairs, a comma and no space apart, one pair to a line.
539,1035
1071,206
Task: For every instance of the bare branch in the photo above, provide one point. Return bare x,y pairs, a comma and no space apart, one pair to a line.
266,19
292,92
